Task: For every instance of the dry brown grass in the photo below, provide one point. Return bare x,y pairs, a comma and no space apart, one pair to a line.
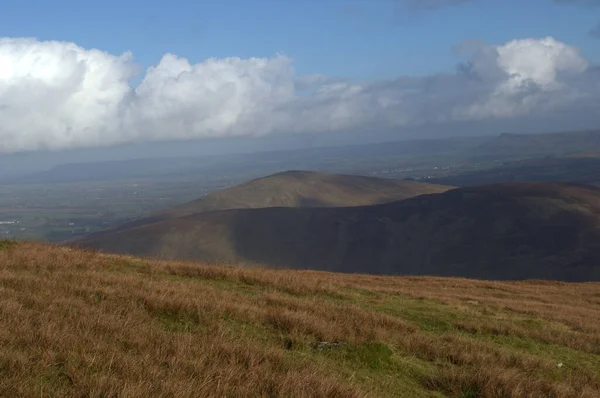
83,324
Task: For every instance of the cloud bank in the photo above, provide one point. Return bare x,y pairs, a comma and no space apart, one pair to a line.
58,95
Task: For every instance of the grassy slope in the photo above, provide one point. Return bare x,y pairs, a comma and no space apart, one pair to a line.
76,323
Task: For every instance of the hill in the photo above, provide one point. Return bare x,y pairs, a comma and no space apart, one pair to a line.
77,323
504,231
307,189
583,168
529,145
295,189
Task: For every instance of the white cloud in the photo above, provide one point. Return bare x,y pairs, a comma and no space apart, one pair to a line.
214,98
529,79
538,61
58,95
55,94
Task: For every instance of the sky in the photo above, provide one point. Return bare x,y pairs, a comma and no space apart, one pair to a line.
77,75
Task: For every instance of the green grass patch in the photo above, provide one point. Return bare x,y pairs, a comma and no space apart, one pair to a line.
428,315
6,244
571,360
376,368
370,355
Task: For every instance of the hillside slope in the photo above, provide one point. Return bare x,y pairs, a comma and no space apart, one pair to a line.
504,231
83,324
296,189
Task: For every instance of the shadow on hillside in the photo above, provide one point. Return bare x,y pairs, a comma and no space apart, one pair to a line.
518,232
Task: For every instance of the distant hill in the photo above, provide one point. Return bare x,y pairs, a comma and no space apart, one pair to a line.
530,145
581,168
308,189
504,231
297,189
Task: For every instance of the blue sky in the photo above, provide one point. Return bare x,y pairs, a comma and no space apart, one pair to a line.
358,39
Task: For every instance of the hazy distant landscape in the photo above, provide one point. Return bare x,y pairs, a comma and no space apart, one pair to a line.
72,200
46,203
61,211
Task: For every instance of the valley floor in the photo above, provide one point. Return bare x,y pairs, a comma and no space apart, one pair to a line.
80,323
